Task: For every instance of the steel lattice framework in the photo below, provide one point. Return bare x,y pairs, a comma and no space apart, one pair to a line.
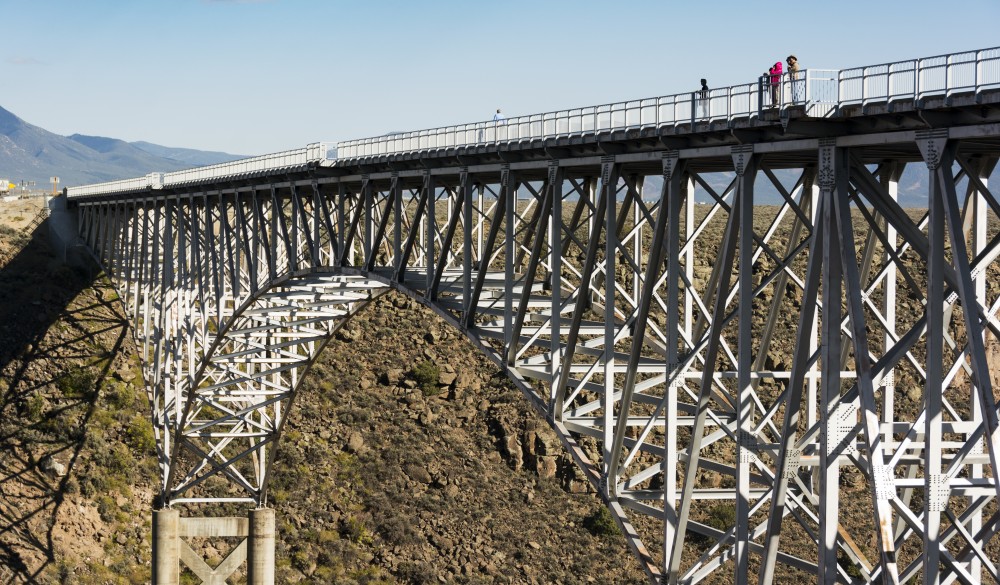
643,325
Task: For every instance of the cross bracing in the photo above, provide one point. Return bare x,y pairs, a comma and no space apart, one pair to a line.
816,373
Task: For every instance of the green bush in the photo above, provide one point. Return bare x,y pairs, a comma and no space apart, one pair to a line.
106,507
428,376
121,395
77,383
35,406
140,434
722,517
353,529
600,523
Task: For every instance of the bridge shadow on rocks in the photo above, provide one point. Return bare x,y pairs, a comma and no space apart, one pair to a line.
66,405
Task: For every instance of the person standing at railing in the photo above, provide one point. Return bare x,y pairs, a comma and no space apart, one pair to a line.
703,100
793,77
775,78
498,120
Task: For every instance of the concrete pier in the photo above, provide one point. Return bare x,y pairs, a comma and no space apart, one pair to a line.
171,551
166,547
260,557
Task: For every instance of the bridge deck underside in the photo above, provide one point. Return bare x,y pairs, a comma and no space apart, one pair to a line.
802,387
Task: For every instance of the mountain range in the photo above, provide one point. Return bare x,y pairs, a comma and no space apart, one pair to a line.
31,153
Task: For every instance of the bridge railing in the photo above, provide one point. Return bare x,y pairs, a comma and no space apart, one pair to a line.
124,185
316,151
967,72
724,103
298,157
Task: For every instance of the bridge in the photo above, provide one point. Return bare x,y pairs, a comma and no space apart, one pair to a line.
619,264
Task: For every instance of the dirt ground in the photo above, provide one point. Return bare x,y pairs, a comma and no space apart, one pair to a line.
18,213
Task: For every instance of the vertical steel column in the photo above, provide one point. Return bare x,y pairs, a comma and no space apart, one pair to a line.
320,218
369,215
935,354
130,260
248,239
234,209
833,183
467,221
341,257
397,231
889,176
431,232
976,221
745,165
609,184
508,190
480,201
115,241
295,229
555,266
677,189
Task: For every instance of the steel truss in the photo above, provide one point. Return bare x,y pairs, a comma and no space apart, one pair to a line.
644,328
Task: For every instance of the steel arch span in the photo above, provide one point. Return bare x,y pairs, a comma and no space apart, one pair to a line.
764,390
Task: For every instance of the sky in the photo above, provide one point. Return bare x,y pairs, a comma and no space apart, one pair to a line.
257,76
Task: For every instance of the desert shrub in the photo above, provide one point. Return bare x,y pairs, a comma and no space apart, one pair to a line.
140,434
415,572
118,459
427,375
106,507
34,406
722,517
398,531
353,529
327,536
121,396
600,523
77,383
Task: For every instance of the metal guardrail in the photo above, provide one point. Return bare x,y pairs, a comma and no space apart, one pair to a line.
298,157
971,71
820,92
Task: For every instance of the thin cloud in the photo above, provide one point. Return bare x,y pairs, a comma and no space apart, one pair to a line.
26,61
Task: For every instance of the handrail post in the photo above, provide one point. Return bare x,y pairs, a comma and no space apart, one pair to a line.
693,94
947,77
975,74
760,96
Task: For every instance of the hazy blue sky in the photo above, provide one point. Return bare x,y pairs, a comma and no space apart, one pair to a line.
255,76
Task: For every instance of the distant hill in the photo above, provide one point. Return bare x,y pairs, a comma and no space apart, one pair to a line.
188,156
31,153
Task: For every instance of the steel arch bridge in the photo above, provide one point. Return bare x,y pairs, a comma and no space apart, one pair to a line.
620,269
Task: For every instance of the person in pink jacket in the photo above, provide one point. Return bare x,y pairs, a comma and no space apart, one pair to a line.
775,73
